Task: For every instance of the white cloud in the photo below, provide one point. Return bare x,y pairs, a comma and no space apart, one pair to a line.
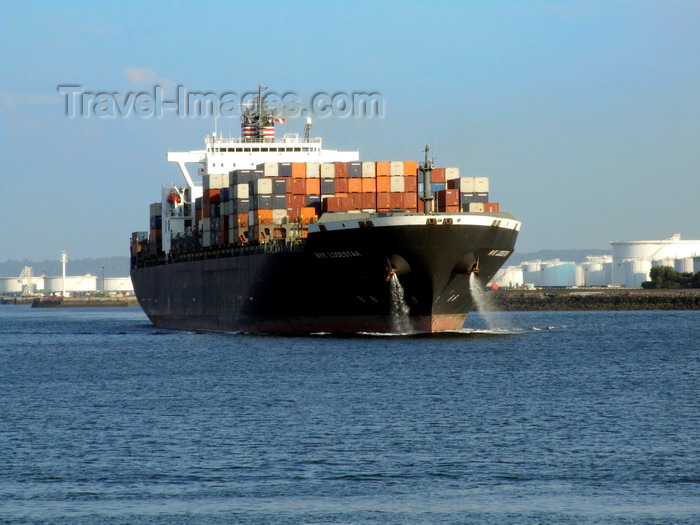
140,75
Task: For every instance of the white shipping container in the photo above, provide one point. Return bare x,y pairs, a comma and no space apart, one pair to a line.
278,216
397,168
451,173
397,184
328,171
271,169
214,181
241,191
262,187
369,170
466,185
313,170
476,207
481,184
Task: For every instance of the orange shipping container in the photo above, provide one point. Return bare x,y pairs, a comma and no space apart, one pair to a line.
313,186
383,184
354,185
383,169
491,207
369,186
308,212
298,170
410,167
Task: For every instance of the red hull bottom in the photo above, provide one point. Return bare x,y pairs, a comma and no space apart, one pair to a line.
307,324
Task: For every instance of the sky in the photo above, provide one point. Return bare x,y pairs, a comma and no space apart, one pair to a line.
584,114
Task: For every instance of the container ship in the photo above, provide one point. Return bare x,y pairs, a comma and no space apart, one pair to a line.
283,236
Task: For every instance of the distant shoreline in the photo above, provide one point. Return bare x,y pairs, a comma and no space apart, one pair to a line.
594,299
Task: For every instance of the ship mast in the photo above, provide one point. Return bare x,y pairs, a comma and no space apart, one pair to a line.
426,168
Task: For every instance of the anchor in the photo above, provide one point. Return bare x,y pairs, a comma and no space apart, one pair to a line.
475,267
390,268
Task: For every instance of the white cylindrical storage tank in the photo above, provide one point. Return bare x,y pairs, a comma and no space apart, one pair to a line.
74,283
636,272
594,273
118,284
10,285
580,275
532,273
509,276
684,265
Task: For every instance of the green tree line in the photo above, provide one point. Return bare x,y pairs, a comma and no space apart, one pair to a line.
667,277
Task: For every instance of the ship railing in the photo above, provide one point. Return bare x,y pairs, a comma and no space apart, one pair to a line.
261,140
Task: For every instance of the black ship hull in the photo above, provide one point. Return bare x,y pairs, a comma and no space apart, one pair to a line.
338,281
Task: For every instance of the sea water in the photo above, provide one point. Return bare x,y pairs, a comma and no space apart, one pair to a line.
564,418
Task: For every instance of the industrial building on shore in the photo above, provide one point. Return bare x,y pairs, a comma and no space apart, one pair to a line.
628,266
26,284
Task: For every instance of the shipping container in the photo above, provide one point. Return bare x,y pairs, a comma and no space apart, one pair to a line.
241,190
296,186
410,168
383,201
261,202
354,185
261,187
341,169
396,168
369,185
284,169
279,186
328,186
155,209
327,171
313,186
313,170
481,184
369,170
240,206
279,202
354,169
383,184
410,183
451,173
271,169
397,183
476,207
383,169
438,175
299,170
341,185
492,207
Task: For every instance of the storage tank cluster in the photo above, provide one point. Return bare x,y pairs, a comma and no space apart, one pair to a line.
629,266
76,284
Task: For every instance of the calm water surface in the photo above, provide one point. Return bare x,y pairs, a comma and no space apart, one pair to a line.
522,417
